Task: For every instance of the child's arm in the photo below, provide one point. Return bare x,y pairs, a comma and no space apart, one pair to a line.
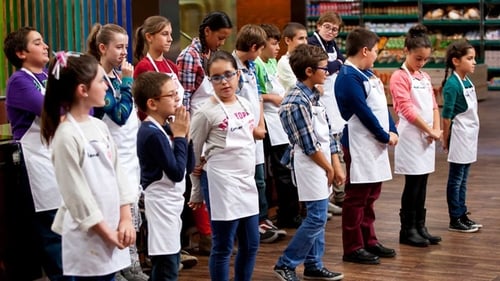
285,74
189,69
199,131
22,94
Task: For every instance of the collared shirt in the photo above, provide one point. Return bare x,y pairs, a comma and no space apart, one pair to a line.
296,118
191,71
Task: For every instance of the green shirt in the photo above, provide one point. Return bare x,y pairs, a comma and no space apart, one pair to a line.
263,69
453,97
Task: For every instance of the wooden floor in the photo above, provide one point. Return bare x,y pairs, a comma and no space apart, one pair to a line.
460,256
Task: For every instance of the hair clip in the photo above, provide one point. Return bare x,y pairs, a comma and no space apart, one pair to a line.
61,61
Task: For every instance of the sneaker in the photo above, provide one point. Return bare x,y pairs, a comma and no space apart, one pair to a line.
119,277
334,209
285,274
458,226
281,232
322,274
329,216
267,235
134,273
187,260
465,219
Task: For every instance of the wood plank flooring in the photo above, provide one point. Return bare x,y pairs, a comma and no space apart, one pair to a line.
459,256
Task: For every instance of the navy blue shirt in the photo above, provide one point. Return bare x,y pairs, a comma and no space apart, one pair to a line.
331,46
156,155
351,99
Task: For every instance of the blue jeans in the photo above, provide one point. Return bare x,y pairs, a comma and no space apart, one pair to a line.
308,244
246,231
109,277
204,189
260,181
456,189
165,267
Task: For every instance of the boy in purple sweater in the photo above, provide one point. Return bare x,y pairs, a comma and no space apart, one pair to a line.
37,196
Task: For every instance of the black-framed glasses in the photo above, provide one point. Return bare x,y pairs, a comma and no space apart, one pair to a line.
217,79
324,68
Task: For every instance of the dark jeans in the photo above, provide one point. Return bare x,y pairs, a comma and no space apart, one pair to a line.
456,189
414,193
246,232
109,277
260,181
165,267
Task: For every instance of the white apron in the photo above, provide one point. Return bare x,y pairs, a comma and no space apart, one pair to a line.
233,193
180,88
125,138
414,155
250,92
85,253
465,130
277,134
370,158
164,202
328,98
311,179
37,158
201,95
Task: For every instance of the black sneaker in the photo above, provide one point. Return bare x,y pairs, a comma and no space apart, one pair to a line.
322,274
285,273
458,226
267,235
465,219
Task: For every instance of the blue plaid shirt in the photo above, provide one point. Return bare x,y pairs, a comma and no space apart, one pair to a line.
296,118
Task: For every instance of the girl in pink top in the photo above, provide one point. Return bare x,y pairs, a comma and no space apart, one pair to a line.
418,128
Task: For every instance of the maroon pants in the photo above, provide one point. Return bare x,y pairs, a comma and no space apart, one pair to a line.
358,214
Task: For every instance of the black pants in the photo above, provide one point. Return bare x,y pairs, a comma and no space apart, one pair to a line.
414,193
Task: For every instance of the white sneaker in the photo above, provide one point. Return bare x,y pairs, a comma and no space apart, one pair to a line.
334,209
281,232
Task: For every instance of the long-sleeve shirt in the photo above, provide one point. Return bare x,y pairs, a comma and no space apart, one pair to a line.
156,156
117,108
68,154
401,88
191,71
453,97
331,47
351,99
296,118
24,101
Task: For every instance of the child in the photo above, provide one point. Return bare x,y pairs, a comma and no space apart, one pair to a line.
38,194
370,128
215,28
327,29
460,131
108,44
315,164
165,158
294,34
153,40
95,219
418,128
224,129
250,41
276,140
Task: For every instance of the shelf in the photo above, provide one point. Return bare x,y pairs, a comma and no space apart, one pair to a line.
446,2
451,22
344,17
492,22
390,34
390,17
494,69
388,1
493,88
492,43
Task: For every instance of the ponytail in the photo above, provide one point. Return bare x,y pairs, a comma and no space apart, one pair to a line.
92,45
139,43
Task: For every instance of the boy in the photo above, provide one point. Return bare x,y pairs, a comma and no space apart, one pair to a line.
294,34
164,157
315,163
38,192
250,41
370,128
276,140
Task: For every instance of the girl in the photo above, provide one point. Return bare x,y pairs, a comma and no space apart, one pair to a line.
108,44
460,131
415,103
213,31
95,219
224,129
153,39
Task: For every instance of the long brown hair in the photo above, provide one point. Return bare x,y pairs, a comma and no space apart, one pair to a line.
151,25
102,34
